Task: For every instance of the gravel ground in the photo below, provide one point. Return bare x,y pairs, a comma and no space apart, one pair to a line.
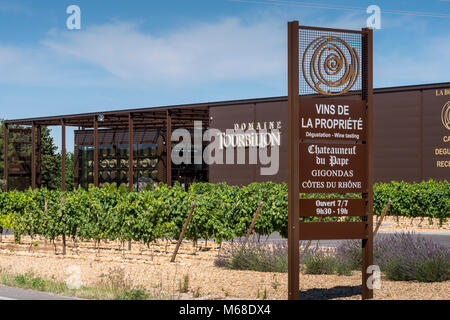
151,269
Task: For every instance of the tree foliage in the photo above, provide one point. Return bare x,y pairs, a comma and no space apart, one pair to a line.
51,160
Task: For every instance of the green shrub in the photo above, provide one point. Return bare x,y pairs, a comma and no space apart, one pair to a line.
427,199
132,294
28,281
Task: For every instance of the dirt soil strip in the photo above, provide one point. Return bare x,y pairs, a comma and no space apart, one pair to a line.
150,268
416,224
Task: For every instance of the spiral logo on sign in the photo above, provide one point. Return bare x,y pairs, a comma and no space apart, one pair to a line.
330,66
445,115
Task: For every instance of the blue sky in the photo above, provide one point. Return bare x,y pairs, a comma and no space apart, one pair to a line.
137,53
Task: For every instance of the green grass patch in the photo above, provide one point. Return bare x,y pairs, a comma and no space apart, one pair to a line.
32,282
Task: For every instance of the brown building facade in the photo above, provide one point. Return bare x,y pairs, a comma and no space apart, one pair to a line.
411,134
411,140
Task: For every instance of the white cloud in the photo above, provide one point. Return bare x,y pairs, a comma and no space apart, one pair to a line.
42,67
225,52
425,64
14,8
22,65
228,50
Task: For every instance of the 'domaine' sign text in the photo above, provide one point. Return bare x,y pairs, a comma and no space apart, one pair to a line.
250,134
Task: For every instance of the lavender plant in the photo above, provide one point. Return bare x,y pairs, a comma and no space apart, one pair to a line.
407,256
403,256
316,261
350,251
274,258
255,256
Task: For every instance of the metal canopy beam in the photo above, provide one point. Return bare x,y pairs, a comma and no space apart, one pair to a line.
33,156
130,150
63,155
5,155
39,155
164,119
95,152
188,112
169,149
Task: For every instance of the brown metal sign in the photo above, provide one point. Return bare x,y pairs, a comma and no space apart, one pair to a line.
332,207
325,119
334,69
328,168
332,230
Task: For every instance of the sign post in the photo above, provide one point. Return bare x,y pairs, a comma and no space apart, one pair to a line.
330,139
293,167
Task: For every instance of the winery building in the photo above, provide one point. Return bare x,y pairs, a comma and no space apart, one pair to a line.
411,141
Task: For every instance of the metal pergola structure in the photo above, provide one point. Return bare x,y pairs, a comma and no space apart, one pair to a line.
164,118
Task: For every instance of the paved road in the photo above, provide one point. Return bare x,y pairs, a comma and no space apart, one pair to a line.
8,293
442,238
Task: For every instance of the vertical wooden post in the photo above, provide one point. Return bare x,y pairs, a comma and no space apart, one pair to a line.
253,222
308,244
96,152
5,156
382,217
76,163
169,149
130,155
180,240
294,176
208,167
367,244
63,200
420,145
33,155
63,155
